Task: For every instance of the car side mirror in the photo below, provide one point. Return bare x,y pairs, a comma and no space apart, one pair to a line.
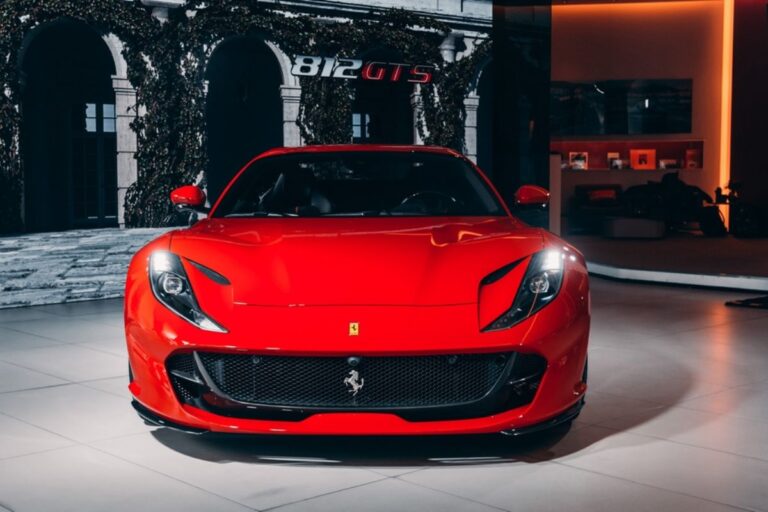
189,198
531,195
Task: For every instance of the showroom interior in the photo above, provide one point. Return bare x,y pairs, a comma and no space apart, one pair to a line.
642,120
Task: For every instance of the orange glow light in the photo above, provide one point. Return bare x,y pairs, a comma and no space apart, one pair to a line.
725,93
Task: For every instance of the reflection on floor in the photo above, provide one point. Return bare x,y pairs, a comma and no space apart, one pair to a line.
679,253
676,419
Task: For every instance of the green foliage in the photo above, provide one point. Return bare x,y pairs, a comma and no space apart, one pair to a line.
443,113
167,62
168,152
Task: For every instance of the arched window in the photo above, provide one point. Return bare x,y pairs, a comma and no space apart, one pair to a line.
68,135
381,109
243,109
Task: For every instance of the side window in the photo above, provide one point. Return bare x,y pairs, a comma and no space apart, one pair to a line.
90,118
110,118
360,127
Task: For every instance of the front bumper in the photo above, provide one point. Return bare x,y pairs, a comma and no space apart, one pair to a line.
558,334
559,390
158,421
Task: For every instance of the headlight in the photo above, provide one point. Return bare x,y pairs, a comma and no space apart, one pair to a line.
171,287
539,286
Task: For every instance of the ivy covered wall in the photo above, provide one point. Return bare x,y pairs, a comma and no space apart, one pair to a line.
166,65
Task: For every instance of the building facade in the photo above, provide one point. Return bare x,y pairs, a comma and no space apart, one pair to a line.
78,106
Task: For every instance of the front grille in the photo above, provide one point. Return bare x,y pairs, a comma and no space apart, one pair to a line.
417,388
387,382
179,366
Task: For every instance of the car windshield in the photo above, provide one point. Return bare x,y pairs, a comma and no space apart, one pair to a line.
359,183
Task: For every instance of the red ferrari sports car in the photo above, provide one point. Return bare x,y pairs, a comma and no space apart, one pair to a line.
357,290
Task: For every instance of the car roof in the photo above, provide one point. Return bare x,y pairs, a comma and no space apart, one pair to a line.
334,148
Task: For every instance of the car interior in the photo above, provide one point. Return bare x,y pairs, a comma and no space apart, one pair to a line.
359,186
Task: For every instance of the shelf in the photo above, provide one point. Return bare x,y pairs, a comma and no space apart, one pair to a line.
597,151
633,171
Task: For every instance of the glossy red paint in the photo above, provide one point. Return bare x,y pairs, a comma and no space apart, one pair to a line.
531,195
188,195
412,283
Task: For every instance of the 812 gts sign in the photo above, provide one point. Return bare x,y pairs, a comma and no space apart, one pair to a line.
352,69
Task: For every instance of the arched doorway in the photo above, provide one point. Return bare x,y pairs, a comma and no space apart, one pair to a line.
485,120
243,108
68,135
381,109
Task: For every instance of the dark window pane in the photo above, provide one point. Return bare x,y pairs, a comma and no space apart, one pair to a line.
361,183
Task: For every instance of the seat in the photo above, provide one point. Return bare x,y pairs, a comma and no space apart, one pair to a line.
294,191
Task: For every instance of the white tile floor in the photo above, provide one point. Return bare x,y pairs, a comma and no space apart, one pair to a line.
676,419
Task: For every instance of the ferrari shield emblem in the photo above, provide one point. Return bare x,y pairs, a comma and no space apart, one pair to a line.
354,328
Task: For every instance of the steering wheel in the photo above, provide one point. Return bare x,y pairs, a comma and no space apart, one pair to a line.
433,200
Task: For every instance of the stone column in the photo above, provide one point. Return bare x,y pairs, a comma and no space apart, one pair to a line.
125,111
416,107
291,96
471,104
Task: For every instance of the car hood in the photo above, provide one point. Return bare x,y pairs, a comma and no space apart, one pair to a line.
415,261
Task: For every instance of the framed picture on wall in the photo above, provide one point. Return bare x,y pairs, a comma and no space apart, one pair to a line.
669,163
578,160
642,159
614,160
692,159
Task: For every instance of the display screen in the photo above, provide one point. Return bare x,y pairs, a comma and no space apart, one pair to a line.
614,107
